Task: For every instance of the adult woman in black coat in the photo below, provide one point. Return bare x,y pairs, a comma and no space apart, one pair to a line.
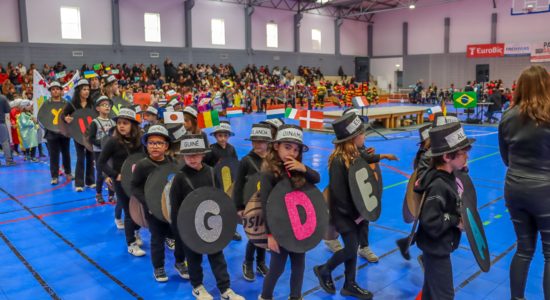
524,140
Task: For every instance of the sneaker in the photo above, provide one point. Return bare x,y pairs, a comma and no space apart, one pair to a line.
79,189
91,186
135,250
325,281
182,270
403,245
99,199
201,293
237,236
160,275
54,181
171,244
354,290
138,241
367,253
34,159
262,269
333,245
248,272
229,294
119,223
421,262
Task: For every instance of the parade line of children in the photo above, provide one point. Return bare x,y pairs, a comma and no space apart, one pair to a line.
276,154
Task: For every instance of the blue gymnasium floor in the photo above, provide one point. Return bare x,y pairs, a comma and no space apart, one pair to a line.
56,243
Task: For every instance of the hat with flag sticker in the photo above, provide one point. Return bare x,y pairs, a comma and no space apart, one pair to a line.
193,144
291,134
191,111
101,99
157,130
260,133
82,82
275,123
55,84
126,113
347,127
448,138
224,127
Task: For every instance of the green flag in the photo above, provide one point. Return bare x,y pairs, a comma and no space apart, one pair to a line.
465,99
97,67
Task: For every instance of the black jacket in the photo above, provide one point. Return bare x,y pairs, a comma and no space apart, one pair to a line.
115,152
250,164
421,162
524,146
438,233
181,188
268,182
143,169
218,153
343,212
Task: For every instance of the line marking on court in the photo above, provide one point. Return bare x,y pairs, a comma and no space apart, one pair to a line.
76,249
29,267
46,205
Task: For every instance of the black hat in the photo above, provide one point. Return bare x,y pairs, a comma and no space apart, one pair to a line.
423,132
157,130
191,111
224,127
440,119
103,98
351,110
448,138
275,123
177,131
291,134
55,84
193,144
347,127
260,133
126,113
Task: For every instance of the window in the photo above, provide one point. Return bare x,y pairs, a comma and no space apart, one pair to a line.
152,27
218,32
316,39
70,23
272,35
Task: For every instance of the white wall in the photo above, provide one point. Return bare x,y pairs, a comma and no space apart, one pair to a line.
45,25
9,21
526,28
233,15
285,25
383,70
172,25
326,25
354,38
387,35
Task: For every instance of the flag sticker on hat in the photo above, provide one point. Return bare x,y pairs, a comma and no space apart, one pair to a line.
275,111
233,112
89,74
359,101
175,117
179,133
292,113
171,94
311,119
208,119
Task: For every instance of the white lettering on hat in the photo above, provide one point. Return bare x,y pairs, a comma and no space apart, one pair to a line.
442,120
157,129
224,126
352,127
180,132
291,133
425,134
192,144
456,137
275,122
261,132
169,108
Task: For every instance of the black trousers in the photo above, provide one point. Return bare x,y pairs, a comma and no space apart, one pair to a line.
159,232
364,234
438,278
217,264
529,206
179,249
129,225
277,265
58,144
30,152
249,257
84,163
99,176
347,255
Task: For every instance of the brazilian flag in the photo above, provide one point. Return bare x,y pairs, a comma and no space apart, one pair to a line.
465,99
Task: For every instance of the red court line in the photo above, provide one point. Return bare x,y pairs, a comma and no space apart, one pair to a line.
39,192
396,170
53,213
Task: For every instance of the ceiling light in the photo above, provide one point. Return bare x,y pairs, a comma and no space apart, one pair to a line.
530,5
397,65
321,1
412,6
